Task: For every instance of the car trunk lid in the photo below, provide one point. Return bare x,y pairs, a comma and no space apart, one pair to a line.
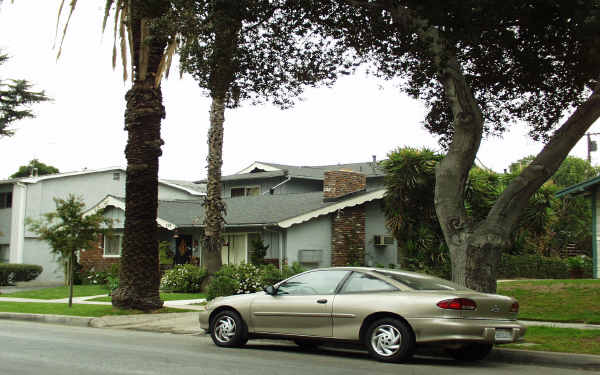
489,306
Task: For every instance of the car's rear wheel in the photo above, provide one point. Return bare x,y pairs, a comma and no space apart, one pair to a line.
390,340
471,352
228,329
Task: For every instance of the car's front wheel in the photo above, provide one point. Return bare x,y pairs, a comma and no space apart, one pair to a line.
228,329
390,340
471,352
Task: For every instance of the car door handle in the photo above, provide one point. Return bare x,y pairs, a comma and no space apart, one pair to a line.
322,300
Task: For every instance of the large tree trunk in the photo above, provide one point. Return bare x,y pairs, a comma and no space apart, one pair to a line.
475,248
139,276
227,24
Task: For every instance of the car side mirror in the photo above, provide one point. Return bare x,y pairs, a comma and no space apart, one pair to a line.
270,290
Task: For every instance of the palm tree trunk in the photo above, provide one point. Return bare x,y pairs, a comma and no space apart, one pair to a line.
227,24
140,277
215,209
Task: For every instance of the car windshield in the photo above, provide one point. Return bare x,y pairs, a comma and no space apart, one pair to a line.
422,282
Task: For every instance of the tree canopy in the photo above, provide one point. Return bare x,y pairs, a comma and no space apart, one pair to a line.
16,99
41,168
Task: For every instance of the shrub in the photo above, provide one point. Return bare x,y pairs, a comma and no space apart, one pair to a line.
539,267
271,274
11,273
185,278
247,278
221,285
96,278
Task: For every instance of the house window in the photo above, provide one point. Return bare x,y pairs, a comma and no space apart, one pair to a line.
4,253
6,200
113,245
245,191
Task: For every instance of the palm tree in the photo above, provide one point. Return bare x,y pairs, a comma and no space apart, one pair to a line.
256,50
140,25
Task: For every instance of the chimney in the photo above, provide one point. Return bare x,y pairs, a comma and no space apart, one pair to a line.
338,184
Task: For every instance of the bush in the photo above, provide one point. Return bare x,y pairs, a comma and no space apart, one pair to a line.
221,285
185,278
11,273
247,278
538,267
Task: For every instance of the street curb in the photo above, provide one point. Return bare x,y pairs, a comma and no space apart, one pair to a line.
78,321
547,359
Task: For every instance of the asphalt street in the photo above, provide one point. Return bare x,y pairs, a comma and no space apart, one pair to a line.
35,348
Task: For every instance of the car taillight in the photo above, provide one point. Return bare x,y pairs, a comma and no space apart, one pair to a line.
457,304
515,307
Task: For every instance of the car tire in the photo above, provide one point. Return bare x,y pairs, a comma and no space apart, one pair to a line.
471,352
307,344
390,340
228,329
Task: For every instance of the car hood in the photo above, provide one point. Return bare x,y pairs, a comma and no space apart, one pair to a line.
235,299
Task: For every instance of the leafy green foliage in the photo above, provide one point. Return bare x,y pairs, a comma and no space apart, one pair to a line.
185,278
247,278
275,52
67,230
11,273
165,254
513,54
16,99
259,250
41,168
546,225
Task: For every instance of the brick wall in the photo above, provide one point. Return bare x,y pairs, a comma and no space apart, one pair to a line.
94,258
337,184
348,236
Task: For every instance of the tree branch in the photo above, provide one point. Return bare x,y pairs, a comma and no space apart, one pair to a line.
509,205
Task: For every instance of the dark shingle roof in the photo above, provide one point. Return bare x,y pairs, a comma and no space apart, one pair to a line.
261,209
246,211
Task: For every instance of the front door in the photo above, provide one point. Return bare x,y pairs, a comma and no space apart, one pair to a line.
234,249
301,306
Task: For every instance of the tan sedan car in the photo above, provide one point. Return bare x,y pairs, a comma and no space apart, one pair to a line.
390,312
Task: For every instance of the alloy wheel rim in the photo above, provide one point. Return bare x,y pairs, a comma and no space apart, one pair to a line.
225,329
386,340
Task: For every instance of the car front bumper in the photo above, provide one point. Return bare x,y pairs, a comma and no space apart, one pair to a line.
434,330
203,318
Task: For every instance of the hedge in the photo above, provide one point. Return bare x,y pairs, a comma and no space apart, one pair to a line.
538,267
11,273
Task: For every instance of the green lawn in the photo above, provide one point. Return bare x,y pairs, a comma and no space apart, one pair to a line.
76,310
556,300
566,340
163,296
60,292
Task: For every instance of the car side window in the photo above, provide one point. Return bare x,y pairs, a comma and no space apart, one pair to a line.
312,283
361,282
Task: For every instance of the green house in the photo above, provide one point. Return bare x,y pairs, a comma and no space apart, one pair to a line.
589,188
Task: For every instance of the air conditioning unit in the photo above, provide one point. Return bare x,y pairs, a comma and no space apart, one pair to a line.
383,240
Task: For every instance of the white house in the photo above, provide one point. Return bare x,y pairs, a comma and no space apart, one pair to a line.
33,196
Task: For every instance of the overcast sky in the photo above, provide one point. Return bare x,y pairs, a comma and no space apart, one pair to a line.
83,126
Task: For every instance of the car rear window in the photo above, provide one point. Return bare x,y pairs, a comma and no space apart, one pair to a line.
423,282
